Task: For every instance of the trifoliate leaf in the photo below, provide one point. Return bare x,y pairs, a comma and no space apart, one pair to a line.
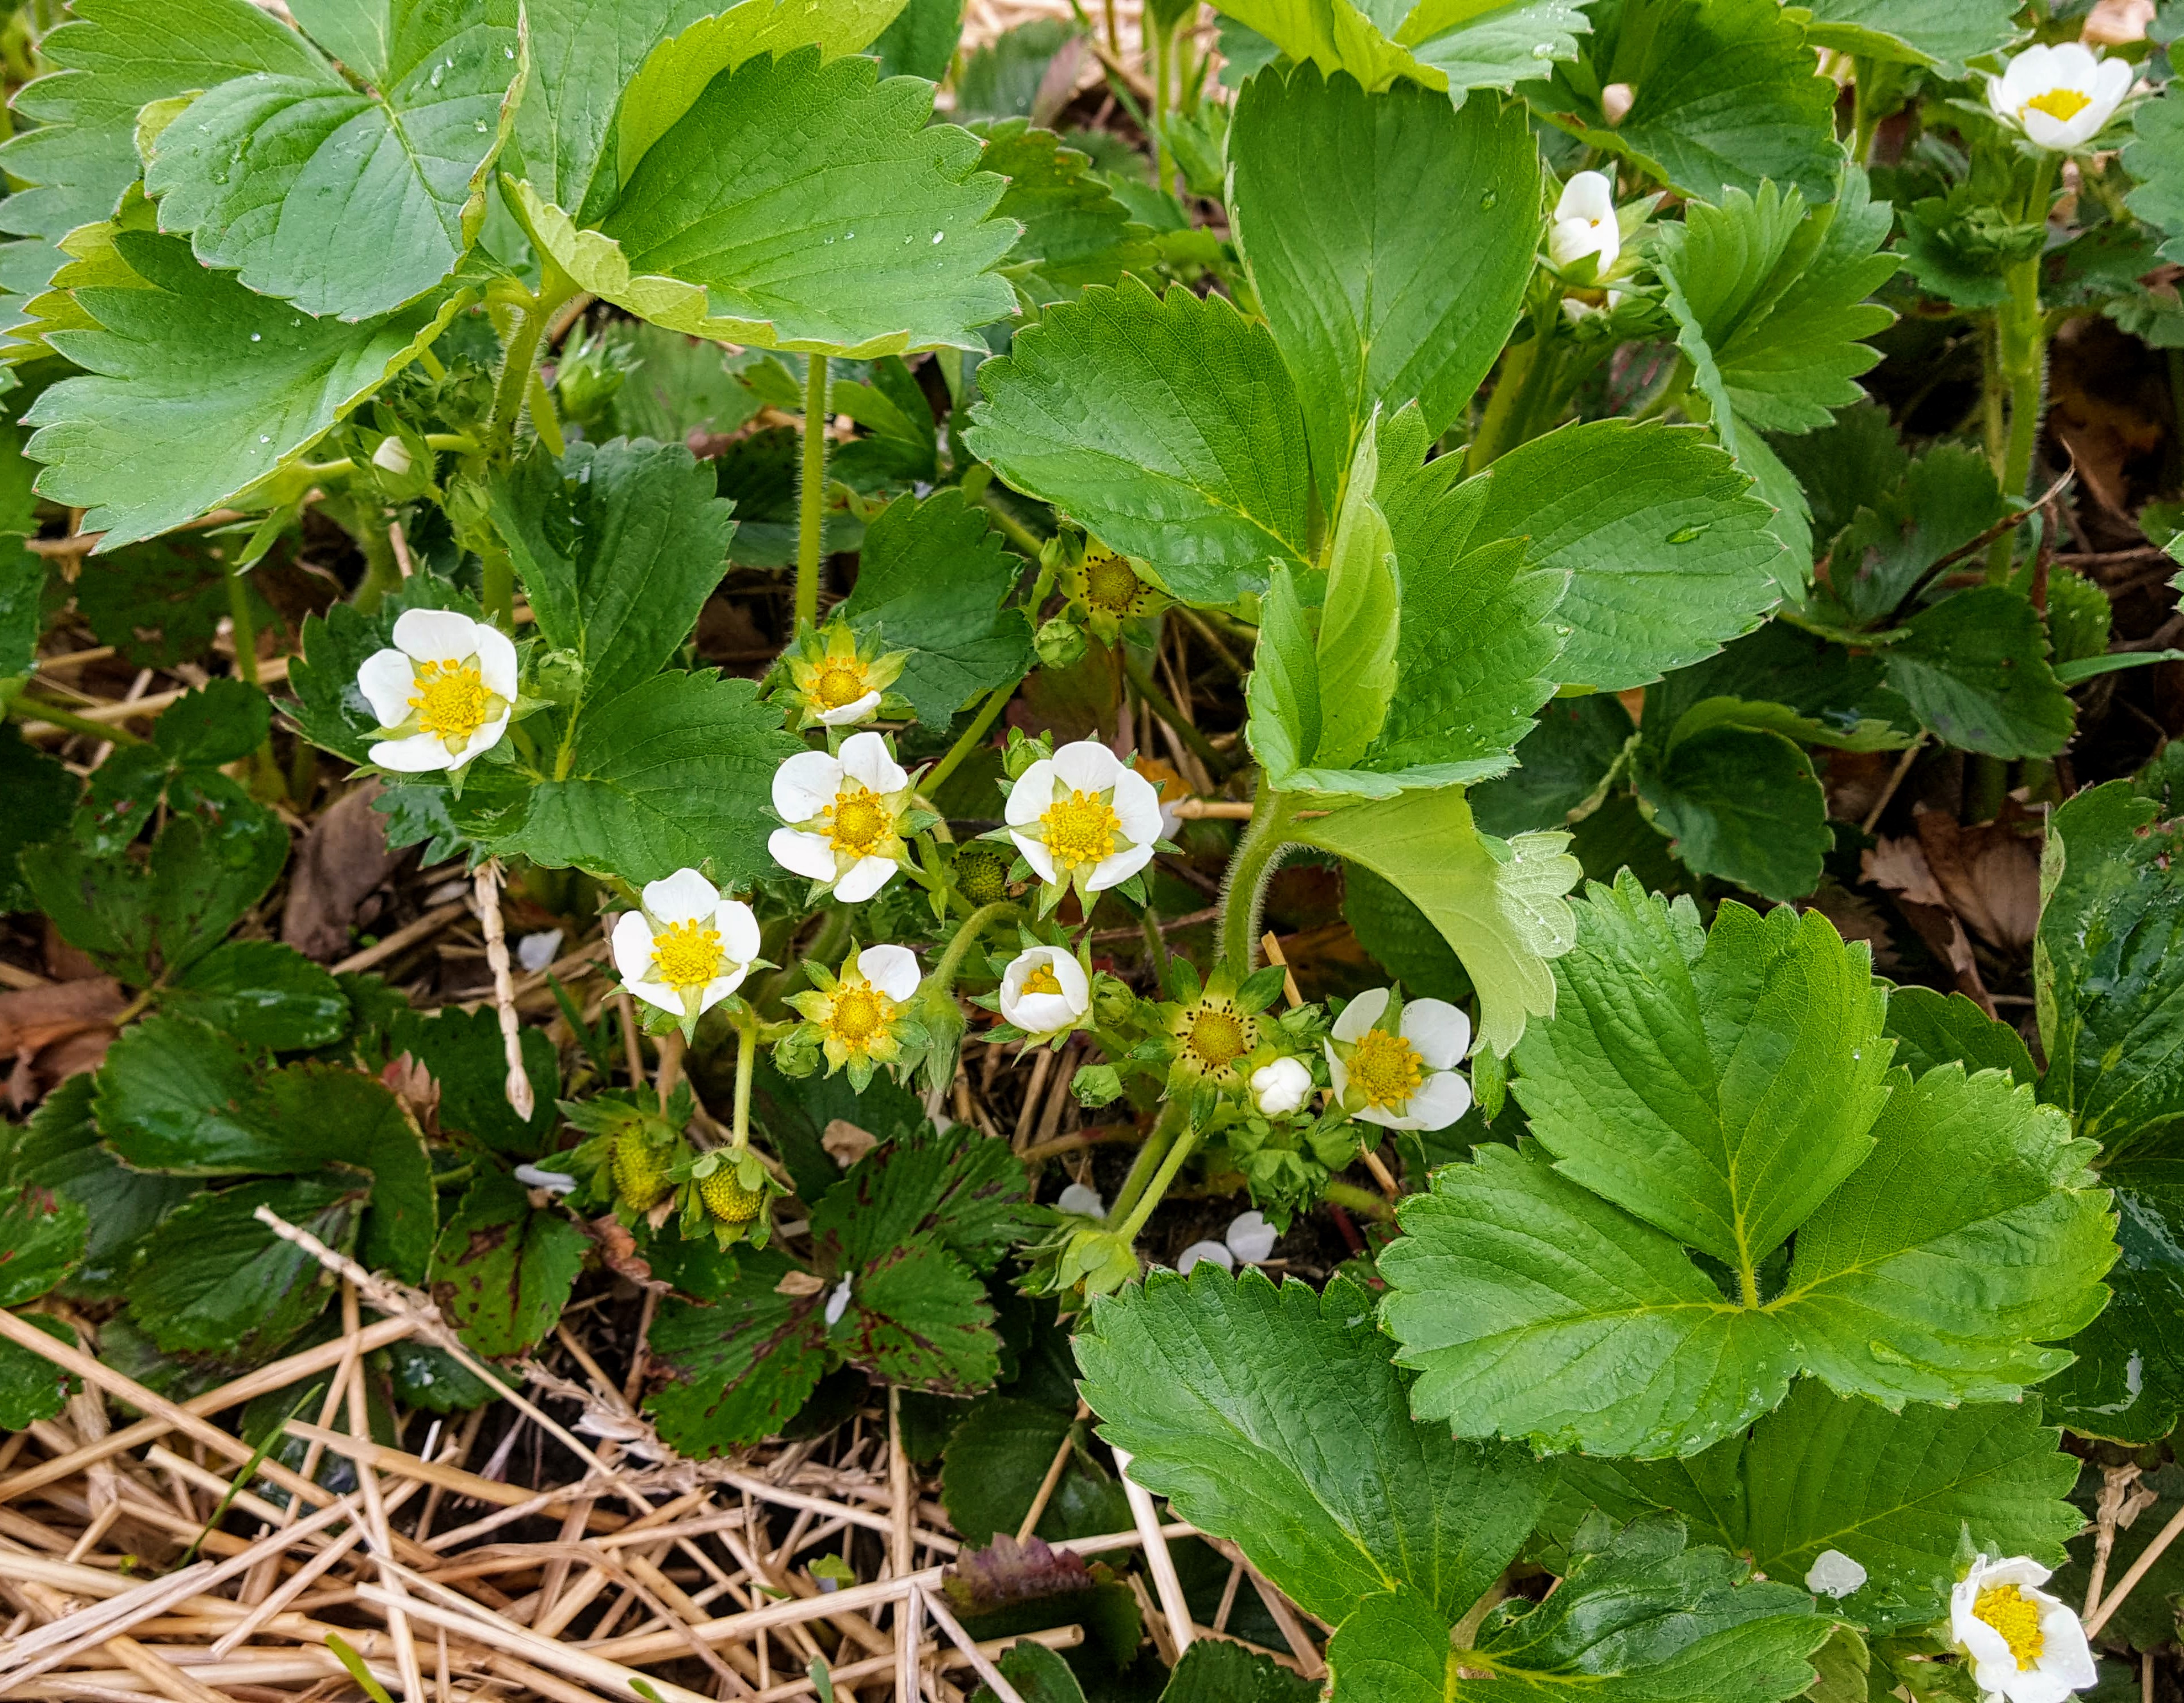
619,547
736,1368
1669,555
970,1196
1167,426
1893,1491
930,577
463,1052
1914,32
1075,232
1726,93
262,993
1973,668
1499,903
919,1318
1388,238
59,1150
712,230
344,199
285,379
216,1281
1743,804
1275,1418
501,1273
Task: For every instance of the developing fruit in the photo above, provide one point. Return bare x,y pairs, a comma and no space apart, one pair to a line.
726,1199
640,1177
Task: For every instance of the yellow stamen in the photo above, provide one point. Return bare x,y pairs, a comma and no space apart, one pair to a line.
2060,104
1079,829
860,1012
841,679
1042,979
1386,1067
686,954
2016,1617
1218,1035
451,700
860,821
1111,584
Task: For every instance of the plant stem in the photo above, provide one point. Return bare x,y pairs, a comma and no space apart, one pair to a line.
521,359
1164,707
1865,117
27,708
2021,354
1352,1198
942,981
497,586
746,1021
1158,114
812,492
1244,889
1179,1151
1147,1162
1026,541
265,776
970,739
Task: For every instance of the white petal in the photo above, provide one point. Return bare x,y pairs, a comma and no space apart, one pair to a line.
419,754
1360,1015
657,993
1280,1087
1085,765
1029,796
739,931
2111,83
2026,75
864,758
1076,985
2064,1654
804,785
1998,98
1137,807
386,679
891,969
1039,1014
1198,1252
866,877
2021,1571
1250,1238
1440,1030
720,988
2045,131
633,947
1386,1118
2071,64
1336,1073
1080,1197
1442,1098
802,853
851,713
537,952
1035,854
1834,1574
1588,195
497,663
685,896
837,1303
1113,870
436,635
482,741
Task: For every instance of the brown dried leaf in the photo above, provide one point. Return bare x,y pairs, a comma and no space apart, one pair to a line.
343,858
846,1143
1988,873
1006,1571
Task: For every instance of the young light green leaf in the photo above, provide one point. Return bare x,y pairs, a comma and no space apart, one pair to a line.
1973,668
286,380
1388,238
1168,426
1477,44
1283,691
1741,802
348,200
1275,1418
1357,618
1499,903
501,1273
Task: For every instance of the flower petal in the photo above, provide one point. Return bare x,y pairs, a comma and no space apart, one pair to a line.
1199,1253
1440,1030
420,754
2112,82
1337,1074
1386,1118
720,988
864,758
2070,64
866,877
1250,1238
1137,807
685,896
891,969
1039,1014
633,947
436,635
738,928
497,663
802,853
848,714
1588,195
1029,796
1442,1098
1360,1015
1037,855
1113,871
804,785
657,993
1087,766
1076,985
1081,1198
386,678
481,742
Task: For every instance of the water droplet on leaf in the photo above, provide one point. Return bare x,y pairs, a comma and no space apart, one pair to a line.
937,234
1487,201
1684,535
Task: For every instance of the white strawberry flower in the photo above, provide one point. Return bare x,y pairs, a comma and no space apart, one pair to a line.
2059,95
688,949
1280,1087
1044,991
1584,222
443,692
1405,1077
843,816
1082,818
2025,1645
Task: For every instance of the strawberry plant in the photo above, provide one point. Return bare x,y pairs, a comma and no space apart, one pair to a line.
793,786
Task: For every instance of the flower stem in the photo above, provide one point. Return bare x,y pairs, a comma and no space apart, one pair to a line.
942,981
981,724
27,708
521,360
811,491
1146,1202
746,1023
2021,357
1244,889
1352,1198
1148,1161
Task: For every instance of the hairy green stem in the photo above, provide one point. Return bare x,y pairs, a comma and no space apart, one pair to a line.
746,1023
1148,1161
1244,889
1026,541
2021,350
942,981
812,494
521,359
930,782
1352,1198
1177,1152
1866,116
266,779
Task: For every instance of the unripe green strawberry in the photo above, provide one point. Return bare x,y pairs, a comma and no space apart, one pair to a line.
640,1177
726,1199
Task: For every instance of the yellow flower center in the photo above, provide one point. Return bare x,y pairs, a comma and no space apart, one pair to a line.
1218,1036
2060,104
1042,979
860,820
686,954
1111,584
841,679
1386,1067
1079,829
860,1012
2016,1617
450,700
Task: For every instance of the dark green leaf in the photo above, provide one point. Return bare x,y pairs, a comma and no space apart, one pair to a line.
1560,763
160,602
740,1367
216,1281
967,1191
264,993
39,792
464,1052
919,1318
1931,1028
59,1150
1212,1671
219,722
922,40
1946,498
1919,32
42,1236
2127,1382
1742,804
1075,232
502,1272
31,1387
1974,667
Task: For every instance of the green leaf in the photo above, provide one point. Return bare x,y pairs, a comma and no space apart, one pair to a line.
464,1052
673,385
1726,93
1215,1672
619,546
1273,1417
1742,804
1669,555
919,1319
712,232
2108,965
1561,764
40,795
1916,32
1357,618
59,1151
264,993
2127,1382
220,721
997,1457
1499,903
922,40
342,199
1895,1492
285,379
1004,78
666,776
216,1281
1039,1675
41,1240
1451,45
1283,688
1973,668
161,602
1395,934
1388,238
1945,499
971,1196
22,605
930,578
1076,233
1930,1028
344,1117
501,1273
1167,426
2155,158
740,1367
31,1387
